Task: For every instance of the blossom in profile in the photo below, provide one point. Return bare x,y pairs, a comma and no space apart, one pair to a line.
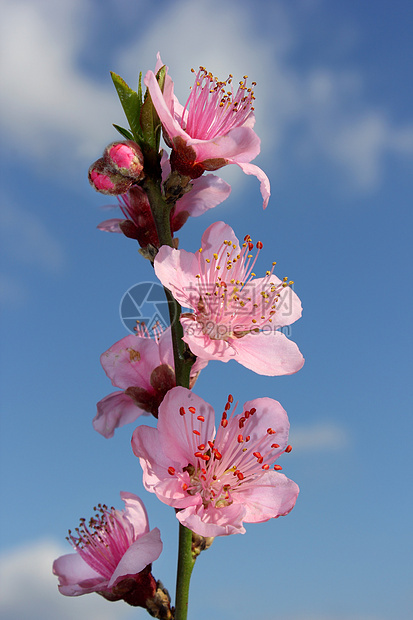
113,555
235,315
214,127
138,223
143,368
217,479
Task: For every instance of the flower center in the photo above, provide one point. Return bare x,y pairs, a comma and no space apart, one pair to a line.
212,110
231,460
104,540
228,302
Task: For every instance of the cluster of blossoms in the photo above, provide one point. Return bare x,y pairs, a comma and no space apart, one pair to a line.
216,478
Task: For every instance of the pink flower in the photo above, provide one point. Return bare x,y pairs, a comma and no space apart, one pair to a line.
213,129
235,315
217,479
143,368
113,555
207,192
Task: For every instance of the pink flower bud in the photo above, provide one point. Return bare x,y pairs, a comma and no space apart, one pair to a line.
125,158
106,181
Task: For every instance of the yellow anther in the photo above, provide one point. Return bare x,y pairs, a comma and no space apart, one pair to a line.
215,255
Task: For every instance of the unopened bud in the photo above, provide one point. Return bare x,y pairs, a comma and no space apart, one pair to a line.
125,158
106,181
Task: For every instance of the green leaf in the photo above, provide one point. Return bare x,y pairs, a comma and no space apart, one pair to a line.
131,103
149,119
123,132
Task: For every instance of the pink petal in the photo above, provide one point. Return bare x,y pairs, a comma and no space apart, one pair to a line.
207,192
136,513
76,577
268,354
111,225
202,345
271,497
261,176
155,464
288,307
171,126
269,414
238,145
175,430
214,236
130,361
212,521
142,552
177,270
114,411
166,354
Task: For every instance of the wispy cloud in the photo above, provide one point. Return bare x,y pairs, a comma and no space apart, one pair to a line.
28,589
321,435
26,239
312,114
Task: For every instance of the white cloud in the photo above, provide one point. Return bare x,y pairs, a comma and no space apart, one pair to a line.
309,115
49,104
322,435
28,589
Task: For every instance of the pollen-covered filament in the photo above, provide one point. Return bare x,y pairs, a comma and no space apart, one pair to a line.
211,110
230,304
104,540
231,460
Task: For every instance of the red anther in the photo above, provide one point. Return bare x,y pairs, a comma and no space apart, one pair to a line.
265,466
217,455
196,433
247,238
201,418
182,411
260,460
288,448
198,454
270,431
224,423
230,398
211,444
241,422
240,475
224,415
275,445
192,409
171,471
203,477
227,406
250,246
214,477
205,457
256,454
201,446
240,439
277,467
247,438
252,411
184,486
259,245
203,470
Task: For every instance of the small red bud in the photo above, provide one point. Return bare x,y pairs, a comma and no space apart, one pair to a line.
105,181
125,158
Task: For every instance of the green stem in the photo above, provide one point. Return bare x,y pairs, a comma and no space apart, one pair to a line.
183,360
186,563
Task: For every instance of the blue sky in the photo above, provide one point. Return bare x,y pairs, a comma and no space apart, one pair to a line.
334,112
